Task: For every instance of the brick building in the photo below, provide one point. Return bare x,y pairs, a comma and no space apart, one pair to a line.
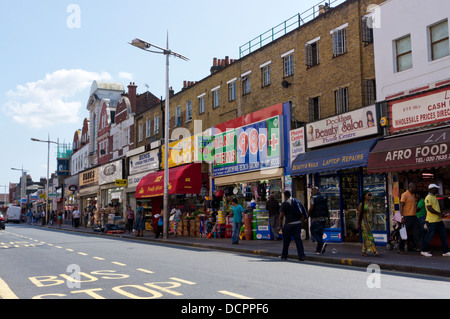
324,67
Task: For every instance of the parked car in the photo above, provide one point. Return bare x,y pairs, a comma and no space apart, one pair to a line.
2,221
13,214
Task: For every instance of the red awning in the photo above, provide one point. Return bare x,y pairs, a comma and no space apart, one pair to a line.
411,152
186,179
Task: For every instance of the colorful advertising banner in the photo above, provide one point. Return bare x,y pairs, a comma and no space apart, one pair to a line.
248,148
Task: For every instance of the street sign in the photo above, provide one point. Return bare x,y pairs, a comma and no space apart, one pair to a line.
121,182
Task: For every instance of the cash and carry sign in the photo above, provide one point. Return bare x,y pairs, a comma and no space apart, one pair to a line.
416,111
248,148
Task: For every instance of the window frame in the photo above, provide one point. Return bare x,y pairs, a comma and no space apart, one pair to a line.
432,44
403,54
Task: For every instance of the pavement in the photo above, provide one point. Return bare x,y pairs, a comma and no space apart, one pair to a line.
344,254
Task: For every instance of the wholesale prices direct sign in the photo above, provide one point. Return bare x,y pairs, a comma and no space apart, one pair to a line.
248,148
419,111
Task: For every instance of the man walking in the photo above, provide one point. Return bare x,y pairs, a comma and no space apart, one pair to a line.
434,223
273,207
320,217
76,217
408,209
237,221
292,226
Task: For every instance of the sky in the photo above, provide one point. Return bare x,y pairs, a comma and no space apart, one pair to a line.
52,50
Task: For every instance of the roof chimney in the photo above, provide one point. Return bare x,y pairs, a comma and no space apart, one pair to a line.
132,96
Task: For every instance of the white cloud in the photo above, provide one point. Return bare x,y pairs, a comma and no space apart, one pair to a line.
51,100
126,75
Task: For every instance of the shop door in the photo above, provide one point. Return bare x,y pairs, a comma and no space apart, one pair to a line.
329,186
350,203
376,185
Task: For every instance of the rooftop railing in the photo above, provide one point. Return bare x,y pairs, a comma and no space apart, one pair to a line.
286,27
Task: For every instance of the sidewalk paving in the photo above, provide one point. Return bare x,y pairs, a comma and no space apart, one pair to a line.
346,254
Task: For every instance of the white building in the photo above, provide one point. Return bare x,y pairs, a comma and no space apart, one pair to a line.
411,44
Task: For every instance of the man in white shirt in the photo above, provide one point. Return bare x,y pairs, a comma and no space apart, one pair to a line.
76,217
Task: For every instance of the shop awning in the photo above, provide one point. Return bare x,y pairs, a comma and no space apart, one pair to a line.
333,158
185,179
411,152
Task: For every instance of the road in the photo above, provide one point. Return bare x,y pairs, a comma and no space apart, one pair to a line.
36,263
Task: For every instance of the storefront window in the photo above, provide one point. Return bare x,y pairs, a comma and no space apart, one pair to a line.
350,200
375,184
329,187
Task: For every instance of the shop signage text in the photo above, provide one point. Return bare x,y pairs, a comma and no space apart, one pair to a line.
343,127
144,162
252,147
420,111
88,177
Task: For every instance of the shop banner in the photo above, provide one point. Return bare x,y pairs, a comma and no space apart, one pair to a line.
297,142
108,173
420,111
88,177
411,152
192,149
144,162
248,148
343,127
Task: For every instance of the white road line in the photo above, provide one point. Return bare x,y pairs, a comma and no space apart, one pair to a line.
232,294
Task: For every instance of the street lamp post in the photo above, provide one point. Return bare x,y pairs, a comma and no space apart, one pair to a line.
143,45
48,168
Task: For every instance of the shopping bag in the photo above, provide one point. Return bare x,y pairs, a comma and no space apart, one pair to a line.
403,233
397,217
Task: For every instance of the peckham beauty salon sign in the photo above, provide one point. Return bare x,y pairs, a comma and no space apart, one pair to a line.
343,127
248,148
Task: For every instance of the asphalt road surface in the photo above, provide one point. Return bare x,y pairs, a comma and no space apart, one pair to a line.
37,263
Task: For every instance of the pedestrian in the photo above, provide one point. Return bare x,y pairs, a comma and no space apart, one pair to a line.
76,217
273,207
292,218
434,223
60,216
365,222
237,221
130,219
408,209
160,225
320,218
421,212
175,214
140,220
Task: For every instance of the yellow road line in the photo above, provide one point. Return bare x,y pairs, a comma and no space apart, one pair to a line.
84,254
145,270
6,292
117,263
99,258
183,281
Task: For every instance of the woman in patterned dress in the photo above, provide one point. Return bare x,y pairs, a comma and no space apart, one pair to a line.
365,221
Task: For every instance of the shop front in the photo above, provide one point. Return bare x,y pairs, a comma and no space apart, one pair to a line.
417,148
88,191
111,196
249,163
140,164
340,174
419,157
185,182
339,171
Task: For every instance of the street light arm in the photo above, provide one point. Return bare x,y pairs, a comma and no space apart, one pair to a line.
144,45
38,140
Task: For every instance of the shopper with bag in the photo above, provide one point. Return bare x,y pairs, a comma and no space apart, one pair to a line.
365,221
408,208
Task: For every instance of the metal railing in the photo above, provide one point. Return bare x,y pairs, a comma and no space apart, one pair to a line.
284,28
